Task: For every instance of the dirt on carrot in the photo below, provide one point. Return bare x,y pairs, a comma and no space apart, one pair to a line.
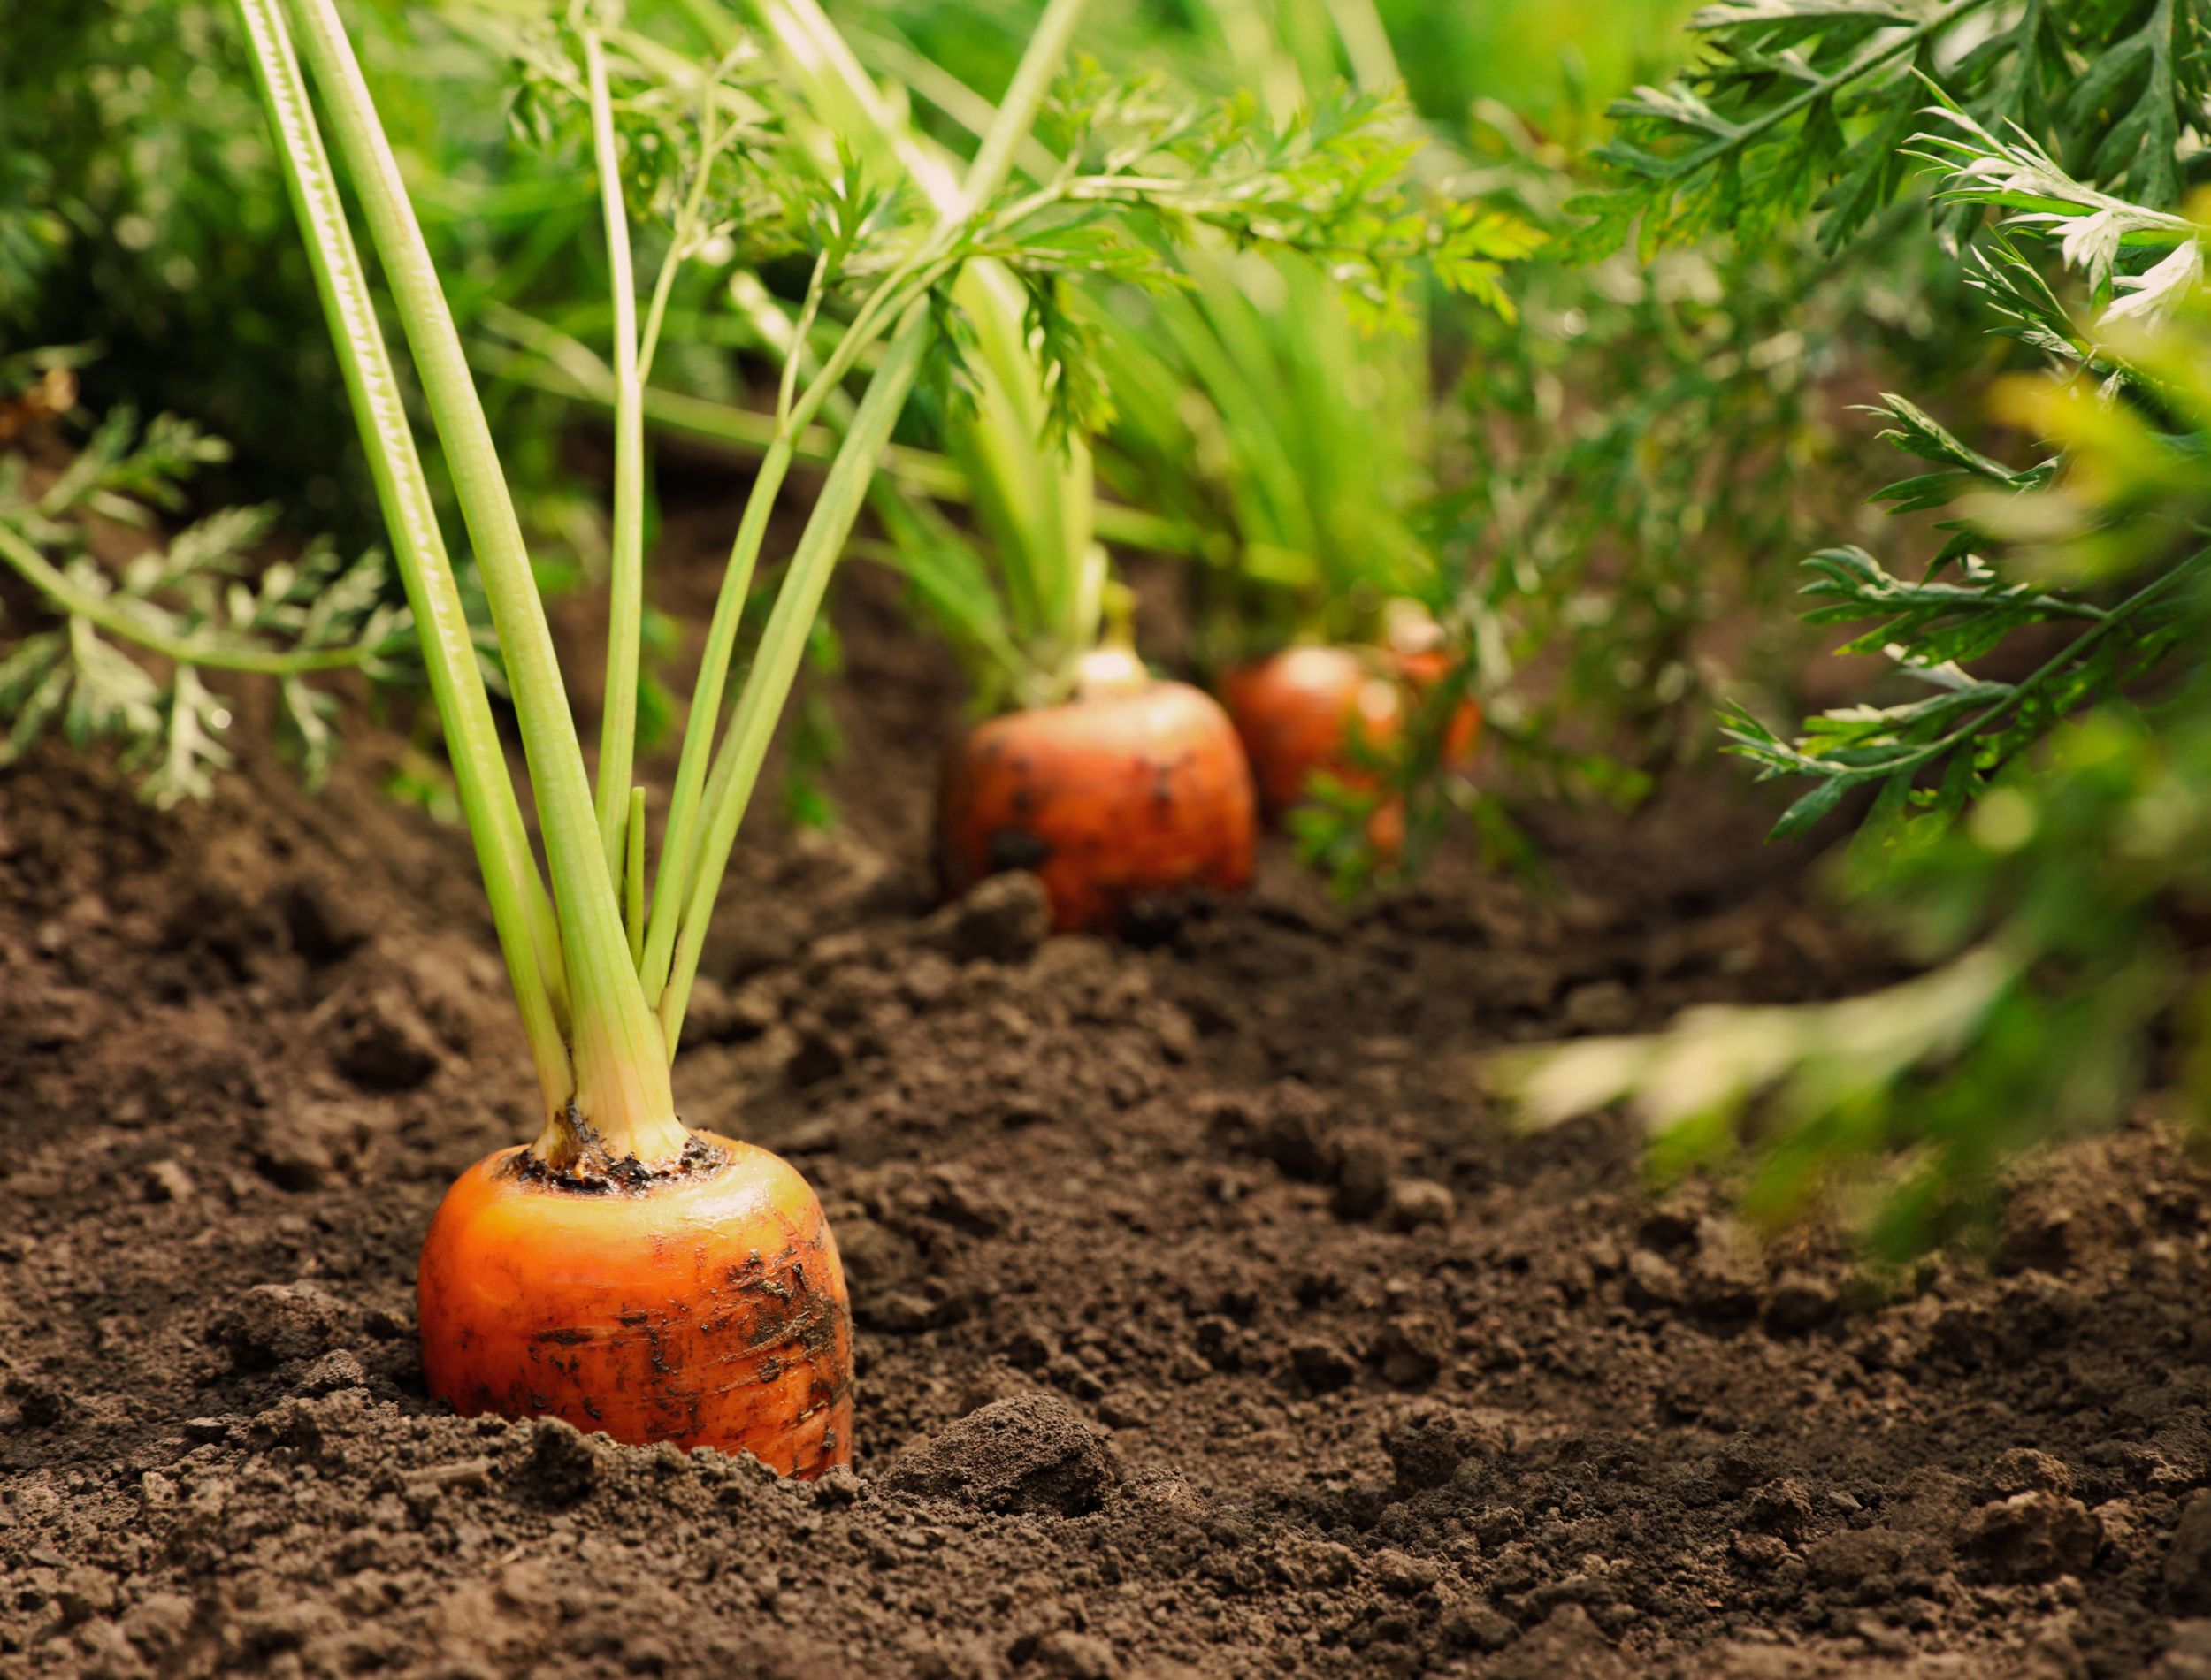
1205,1323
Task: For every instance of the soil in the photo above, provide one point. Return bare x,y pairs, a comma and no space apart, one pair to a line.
1209,1323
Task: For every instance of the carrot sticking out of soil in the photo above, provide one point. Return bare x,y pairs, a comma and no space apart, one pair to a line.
1136,788
621,1272
708,1310
1343,711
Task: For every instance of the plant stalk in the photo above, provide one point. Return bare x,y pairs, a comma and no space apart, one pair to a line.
622,1092
737,766
479,764
625,579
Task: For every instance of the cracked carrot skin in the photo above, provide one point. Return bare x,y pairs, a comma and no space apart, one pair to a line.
707,1309
1107,798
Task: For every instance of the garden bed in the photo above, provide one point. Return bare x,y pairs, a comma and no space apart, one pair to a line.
1209,1324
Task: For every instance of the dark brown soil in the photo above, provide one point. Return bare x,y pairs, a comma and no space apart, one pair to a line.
1209,1324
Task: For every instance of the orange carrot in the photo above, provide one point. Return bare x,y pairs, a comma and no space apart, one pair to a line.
1300,711
1137,786
705,1307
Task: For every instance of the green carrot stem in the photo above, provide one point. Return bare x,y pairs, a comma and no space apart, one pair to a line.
633,875
782,646
672,877
623,1089
479,766
737,766
626,581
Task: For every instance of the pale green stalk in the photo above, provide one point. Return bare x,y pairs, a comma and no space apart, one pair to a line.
675,874
737,767
479,766
625,571
620,1058
782,646
1037,501
633,875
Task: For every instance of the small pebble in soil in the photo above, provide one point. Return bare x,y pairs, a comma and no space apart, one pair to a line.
1027,1453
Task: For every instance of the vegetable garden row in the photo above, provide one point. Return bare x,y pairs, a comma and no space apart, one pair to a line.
1253,575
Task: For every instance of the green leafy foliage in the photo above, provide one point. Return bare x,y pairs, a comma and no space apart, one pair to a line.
125,663
2033,799
1330,182
1797,106
1931,753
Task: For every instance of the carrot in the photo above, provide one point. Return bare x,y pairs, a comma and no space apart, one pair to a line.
1136,787
707,1309
1309,710
621,1272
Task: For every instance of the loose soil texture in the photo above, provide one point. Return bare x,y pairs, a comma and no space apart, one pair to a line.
1209,1324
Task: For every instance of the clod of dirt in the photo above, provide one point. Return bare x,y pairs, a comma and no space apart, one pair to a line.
1654,1283
1783,1508
2188,1565
1568,1643
1414,1203
2032,1537
2022,1469
2189,1656
1323,1365
1401,1573
325,927
169,1180
723,1014
1854,1557
1297,1133
1726,1277
1798,1303
39,1404
302,1147
1003,919
381,1045
1027,1453
334,1371
1075,1656
273,1323
1427,1444
561,1465
1412,1349
1362,1175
